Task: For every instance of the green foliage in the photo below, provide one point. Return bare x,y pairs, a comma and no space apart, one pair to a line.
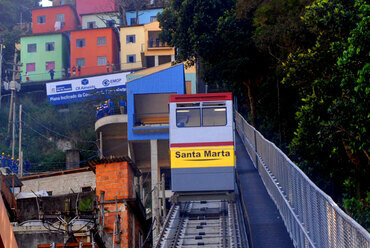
332,76
359,210
47,128
85,205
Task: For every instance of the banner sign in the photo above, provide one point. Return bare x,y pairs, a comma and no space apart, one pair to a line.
75,90
197,157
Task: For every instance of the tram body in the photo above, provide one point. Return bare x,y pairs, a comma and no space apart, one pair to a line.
202,142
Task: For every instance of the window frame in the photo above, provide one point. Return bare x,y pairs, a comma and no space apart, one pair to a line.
34,66
93,24
105,41
51,62
105,63
78,43
28,48
41,18
131,55
49,43
201,106
80,59
128,38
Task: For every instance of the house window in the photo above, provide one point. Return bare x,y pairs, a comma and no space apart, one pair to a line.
49,46
153,18
86,189
131,58
130,39
50,65
60,17
41,19
80,62
31,48
91,25
30,67
102,60
80,43
132,21
102,41
111,23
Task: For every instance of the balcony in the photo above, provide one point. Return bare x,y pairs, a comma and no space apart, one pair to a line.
151,122
156,44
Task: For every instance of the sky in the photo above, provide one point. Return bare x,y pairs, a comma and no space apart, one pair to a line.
45,3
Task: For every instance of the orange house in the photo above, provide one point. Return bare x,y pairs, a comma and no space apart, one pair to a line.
94,51
54,19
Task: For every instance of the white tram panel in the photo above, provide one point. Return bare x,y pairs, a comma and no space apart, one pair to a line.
202,142
198,134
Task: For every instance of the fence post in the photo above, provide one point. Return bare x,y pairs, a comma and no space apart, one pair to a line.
255,148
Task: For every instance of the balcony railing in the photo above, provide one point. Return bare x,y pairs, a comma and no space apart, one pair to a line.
151,119
157,44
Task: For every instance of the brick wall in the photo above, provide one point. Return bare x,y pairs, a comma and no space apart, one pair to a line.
116,180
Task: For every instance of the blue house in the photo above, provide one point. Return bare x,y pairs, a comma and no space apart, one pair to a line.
145,16
147,103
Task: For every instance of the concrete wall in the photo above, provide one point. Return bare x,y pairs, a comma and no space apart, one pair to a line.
132,48
61,184
60,56
100,19
32,239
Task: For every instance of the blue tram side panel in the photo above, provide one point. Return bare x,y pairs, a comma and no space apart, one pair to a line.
202,142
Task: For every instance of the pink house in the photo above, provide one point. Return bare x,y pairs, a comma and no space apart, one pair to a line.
95,6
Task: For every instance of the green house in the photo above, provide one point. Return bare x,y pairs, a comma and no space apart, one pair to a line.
41,53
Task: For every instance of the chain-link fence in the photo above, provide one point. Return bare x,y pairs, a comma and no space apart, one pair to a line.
311,217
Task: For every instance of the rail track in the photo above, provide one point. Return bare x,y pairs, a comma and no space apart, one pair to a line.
212,223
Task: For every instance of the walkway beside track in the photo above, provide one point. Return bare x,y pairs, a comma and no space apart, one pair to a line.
267,227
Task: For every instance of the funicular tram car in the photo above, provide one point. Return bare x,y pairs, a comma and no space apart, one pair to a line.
202,142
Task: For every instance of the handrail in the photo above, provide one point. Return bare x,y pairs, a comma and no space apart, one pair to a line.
311,217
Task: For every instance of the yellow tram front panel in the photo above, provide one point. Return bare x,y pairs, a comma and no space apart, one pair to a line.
198,157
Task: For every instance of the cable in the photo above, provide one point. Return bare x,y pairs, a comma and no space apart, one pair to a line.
62,135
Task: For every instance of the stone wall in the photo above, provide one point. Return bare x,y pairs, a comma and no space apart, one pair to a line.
61,184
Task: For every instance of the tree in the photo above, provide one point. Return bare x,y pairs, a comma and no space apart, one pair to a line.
332,139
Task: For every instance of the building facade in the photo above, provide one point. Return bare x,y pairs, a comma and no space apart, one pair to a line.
41,53
95,6
144,16
61,182
54,19
100,20
94,51
132,47
141,47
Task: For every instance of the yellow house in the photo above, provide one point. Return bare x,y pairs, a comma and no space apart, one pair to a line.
141,47
132,47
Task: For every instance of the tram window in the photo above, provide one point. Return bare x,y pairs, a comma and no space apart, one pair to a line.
188,117
213,104
214,116
187,105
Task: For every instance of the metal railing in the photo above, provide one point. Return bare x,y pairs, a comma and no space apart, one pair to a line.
311,217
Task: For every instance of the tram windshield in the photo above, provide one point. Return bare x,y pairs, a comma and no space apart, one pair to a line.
213,117
197,115
188,117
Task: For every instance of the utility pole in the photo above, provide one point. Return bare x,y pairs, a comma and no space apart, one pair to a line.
20,142
13,131
1,68
12,87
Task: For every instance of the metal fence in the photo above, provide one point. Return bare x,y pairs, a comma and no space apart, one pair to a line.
311,217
